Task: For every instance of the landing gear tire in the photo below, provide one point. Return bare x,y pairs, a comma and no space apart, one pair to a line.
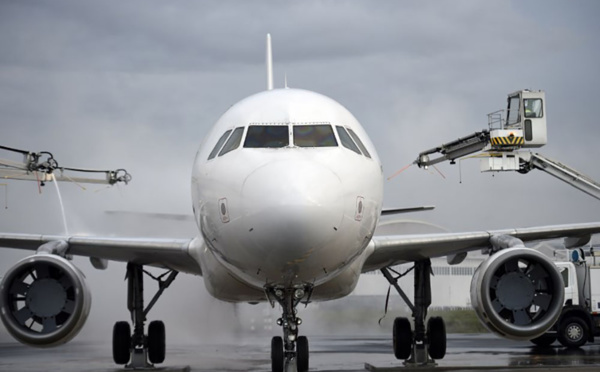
544,340
156,342
402,338
277,354
573,332
436,335
121,342
302,353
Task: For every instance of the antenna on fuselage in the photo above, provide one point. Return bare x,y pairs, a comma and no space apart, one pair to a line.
269,64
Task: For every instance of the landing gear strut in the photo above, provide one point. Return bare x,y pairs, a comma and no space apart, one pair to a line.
425,344
291,349
142,350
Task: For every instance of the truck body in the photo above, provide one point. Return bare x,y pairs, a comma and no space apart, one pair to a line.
579,322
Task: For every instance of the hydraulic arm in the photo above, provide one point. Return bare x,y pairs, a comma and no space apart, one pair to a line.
502,147
42,167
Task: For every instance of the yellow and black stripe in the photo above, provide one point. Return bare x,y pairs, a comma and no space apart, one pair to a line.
507,141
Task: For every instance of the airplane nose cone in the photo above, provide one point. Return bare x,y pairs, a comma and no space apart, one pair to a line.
292,210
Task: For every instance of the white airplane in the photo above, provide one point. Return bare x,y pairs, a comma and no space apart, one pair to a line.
287,192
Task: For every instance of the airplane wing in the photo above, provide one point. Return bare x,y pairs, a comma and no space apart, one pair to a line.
168,253
390,250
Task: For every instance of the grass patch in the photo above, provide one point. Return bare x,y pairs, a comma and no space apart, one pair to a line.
460,321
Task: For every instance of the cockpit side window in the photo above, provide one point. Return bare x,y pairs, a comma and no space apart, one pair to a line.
233,142
267,136
346,140
314,136
359,143
219,144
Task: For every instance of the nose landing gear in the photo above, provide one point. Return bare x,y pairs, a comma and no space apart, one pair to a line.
291,350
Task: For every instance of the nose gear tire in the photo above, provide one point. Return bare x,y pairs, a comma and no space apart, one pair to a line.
277,354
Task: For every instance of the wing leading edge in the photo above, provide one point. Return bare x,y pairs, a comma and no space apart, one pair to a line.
390,250
169,253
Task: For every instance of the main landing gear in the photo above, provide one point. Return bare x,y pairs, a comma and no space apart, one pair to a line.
291,350
143,350
425,344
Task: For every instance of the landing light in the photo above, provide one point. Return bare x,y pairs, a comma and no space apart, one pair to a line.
299,293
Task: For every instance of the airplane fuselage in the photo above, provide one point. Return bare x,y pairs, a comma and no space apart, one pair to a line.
287,191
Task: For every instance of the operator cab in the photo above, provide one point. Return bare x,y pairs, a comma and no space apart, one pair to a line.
526,112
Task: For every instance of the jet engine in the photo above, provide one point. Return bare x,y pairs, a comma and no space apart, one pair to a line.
44,300
517,293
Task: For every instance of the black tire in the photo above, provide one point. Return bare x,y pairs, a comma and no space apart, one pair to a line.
302,352
156,342
573,332
121,342
436,335
277,354
544,340
402,338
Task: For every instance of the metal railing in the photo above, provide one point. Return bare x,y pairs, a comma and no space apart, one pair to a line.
496,120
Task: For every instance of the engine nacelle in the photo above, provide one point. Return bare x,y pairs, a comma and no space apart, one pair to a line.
517,293
44,300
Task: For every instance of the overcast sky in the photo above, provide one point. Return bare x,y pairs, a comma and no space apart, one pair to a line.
137,84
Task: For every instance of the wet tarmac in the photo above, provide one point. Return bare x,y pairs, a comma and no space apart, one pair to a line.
347,353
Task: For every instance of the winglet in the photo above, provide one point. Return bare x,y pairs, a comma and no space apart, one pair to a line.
269,64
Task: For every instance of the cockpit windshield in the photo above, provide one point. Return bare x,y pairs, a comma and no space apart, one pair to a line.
269,136
314,136
278,136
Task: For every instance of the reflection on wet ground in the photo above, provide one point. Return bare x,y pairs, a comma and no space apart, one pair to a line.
340,353
492,351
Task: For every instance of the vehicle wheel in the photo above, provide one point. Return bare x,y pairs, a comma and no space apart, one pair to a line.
436,335
277,354
121,342
402,338
573,332
544,340
302,352
156,342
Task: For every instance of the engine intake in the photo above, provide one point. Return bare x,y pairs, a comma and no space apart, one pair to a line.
44,300
517,293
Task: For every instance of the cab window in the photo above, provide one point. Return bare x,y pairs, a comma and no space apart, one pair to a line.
233,142
533,108
513,111
359,143
314,136
346,140
219,144
267,136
